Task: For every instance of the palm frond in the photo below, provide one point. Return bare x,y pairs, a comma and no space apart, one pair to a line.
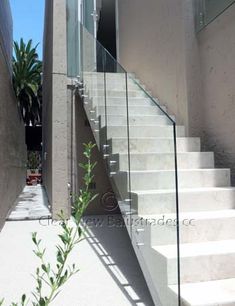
27,69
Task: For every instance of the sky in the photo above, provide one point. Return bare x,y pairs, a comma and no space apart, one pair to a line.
28,18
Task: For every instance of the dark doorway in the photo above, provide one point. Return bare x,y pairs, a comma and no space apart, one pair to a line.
34,138
106,34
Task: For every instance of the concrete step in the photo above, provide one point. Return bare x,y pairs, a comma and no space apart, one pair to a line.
163,161
120,93
152,120
212,293
144,131
109,75
94,85
199,262
110,101
195,227
193,199
165,179
133,110
148,144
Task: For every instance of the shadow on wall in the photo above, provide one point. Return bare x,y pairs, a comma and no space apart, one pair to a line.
224,158
108,237
101,184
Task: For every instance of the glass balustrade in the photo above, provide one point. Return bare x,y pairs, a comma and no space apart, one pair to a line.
207,10
137,139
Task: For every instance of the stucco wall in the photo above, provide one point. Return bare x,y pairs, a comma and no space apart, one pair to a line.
192,73
217,56
55,142
12,143
151,44
47,99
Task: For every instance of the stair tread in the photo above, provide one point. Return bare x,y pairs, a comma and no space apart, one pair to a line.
197,249
131,105
183,190
141,126
134,116
180,170
196,215
210,293
164,153
158,138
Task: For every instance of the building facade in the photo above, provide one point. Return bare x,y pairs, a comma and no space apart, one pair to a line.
12,133
150,156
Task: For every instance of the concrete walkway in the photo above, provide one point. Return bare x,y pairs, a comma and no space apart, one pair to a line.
32,204
109,272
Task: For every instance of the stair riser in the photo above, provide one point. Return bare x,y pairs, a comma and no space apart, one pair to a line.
133,121
112,77
191,201
122,102
196,269
166,179
201,230
120,86
203,268
120,93
155,145
133,110
164,161
145,131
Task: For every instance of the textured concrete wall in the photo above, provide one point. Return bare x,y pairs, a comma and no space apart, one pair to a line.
12,143
158,42
217,55
151,40
47,99
55,142
192,73
105,203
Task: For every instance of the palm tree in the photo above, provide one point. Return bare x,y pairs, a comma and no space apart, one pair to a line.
27,69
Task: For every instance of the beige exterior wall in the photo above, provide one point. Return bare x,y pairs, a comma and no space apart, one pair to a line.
217,56
12,143
192,74
151,40
55,142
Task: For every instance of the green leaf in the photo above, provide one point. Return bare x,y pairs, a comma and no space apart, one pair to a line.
23,299
34,238
44,268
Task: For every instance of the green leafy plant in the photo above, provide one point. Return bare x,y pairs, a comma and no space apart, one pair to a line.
50,278
27,69
33,160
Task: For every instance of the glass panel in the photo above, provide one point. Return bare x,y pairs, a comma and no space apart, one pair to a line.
137,139
207,10
88,19
6,30
215,7
93,80
154,190
117,132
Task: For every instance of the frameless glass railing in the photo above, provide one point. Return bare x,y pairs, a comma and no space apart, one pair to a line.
208,10
137,139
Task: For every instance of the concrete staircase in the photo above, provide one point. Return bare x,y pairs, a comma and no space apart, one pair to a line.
207,214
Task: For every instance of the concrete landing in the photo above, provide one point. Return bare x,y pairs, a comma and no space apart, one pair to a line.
32,204
109,272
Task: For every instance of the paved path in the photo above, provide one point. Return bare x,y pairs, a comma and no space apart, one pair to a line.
109,272
32,204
